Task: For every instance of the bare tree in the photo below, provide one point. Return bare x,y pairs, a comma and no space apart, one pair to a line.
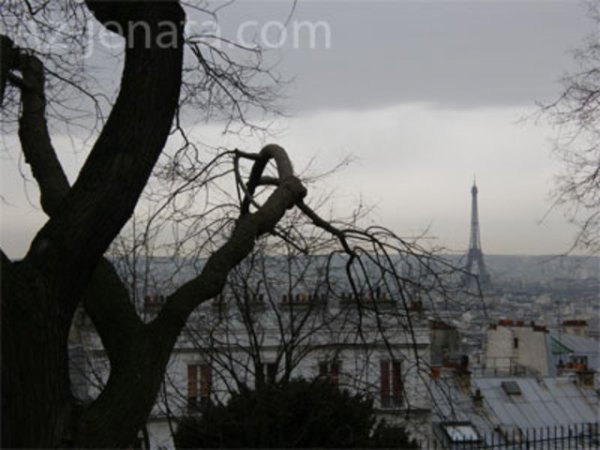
291,304
65,267
286,313
576,113
64,264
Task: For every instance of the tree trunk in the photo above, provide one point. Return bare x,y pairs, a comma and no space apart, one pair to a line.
64,263
36,399
38,409
40,293
116,417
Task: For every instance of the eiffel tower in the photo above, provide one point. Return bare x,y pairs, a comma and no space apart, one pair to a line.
475,265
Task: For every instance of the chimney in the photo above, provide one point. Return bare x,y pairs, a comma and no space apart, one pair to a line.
585,378
478,399
463,374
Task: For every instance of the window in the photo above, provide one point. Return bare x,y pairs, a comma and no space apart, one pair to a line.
330,371
199,386
391,383
269,372
516,343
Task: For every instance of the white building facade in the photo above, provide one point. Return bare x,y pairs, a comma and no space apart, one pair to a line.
372,346
513,346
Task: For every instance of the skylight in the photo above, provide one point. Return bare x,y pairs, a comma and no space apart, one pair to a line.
511,387
461,432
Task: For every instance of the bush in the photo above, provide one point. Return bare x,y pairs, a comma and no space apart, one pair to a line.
297,414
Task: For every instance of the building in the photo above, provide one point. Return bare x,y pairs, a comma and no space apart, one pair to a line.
576,354
535,389
363,344
515,347
575,327
524,396
445,342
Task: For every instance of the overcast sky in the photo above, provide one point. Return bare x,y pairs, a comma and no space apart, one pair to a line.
424,96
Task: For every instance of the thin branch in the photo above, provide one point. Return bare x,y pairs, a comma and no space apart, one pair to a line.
249,227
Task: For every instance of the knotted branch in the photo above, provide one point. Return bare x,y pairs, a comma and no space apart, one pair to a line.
249,227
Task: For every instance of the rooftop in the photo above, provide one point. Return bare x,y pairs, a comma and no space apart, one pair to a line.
540,403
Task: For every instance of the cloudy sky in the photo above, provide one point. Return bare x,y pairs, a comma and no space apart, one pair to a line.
424,96
427,95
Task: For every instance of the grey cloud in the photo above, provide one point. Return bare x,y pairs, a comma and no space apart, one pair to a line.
455,54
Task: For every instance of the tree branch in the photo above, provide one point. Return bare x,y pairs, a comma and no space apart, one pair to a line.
108,304
107,189
106,299
7,56
323,224
147,352
33,134
33,130
284,169
249,227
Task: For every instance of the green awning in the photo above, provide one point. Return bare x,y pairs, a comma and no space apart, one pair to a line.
558,348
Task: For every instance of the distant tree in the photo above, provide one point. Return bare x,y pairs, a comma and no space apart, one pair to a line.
576,113
294,414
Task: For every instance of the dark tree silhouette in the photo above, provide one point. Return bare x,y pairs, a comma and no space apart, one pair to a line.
295,414
41,291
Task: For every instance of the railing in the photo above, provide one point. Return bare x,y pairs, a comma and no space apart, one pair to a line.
572,437
511,368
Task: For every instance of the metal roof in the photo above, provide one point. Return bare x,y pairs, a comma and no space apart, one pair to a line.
542,403
577,344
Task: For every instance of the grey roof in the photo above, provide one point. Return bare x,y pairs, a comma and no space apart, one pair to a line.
543,403
450,402
577,343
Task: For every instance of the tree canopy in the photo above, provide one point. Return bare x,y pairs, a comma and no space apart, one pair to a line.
295,414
